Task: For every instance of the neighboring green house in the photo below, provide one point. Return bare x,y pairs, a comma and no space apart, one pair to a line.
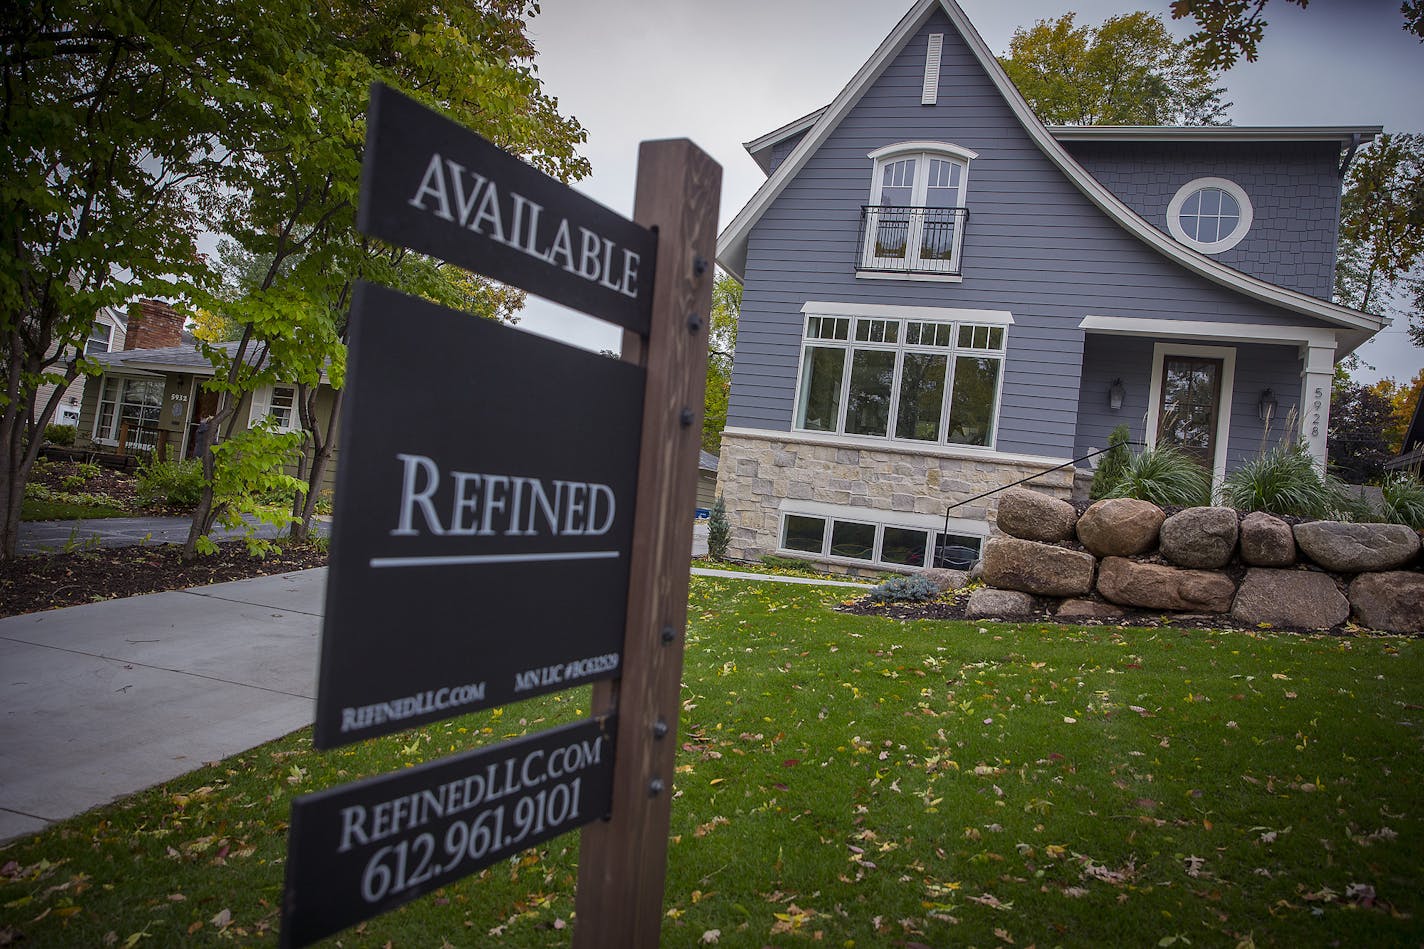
152,400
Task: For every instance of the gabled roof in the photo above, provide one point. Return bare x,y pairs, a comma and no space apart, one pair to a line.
186,359
732,244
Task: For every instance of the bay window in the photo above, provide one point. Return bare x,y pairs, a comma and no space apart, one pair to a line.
129,406
925,379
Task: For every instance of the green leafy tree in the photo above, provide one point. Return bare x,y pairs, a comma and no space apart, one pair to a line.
1358,443
719,531
721,344
1128,71
293,219
116,121
1230,29
1382,225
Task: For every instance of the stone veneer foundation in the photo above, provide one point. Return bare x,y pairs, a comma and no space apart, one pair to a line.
758,472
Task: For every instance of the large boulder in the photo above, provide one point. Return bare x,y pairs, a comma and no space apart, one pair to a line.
1392,601
1120,527
943,579
1266,541
987,603
1031,567
1357,548
1160,587
1029,515
1305,599
1200,537
1073,610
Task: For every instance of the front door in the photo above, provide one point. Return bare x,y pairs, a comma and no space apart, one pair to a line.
205,405
1188,412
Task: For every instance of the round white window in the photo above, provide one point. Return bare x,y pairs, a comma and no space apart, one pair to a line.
1209,214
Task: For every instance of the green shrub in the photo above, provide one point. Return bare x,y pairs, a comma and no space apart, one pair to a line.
87,470
1164,476
1404,500
719,532
72,482
179,483
1110,465
905,590
60,434
1284,480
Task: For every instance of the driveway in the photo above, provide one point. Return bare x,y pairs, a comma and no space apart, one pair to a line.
37,537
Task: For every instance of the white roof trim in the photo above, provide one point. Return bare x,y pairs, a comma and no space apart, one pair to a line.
732,244
1216,133
1198,329
786,131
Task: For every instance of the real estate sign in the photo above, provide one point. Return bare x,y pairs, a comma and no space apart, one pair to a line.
365,848
433,186
483,519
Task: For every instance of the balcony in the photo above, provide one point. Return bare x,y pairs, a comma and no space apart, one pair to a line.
911,240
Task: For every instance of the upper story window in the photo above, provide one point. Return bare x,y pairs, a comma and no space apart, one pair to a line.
914,223
917,376
1211,215
100,338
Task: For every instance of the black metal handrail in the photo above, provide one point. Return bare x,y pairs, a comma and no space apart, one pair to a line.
911,240
1015,484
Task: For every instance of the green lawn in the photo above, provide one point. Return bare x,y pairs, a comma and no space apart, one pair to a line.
853,781
35,509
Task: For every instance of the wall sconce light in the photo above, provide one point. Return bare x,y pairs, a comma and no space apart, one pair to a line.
1116,393
1266,408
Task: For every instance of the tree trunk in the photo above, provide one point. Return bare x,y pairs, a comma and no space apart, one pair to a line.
321,459
207,511
20,441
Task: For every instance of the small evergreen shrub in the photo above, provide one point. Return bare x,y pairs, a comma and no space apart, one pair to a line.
1404,500
1285,481
60,434
1110,466
1164,476
179,483
719,532
914,589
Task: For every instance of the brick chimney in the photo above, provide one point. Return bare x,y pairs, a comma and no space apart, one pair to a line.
153,325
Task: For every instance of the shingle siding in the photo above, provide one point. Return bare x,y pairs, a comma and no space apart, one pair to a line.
1033,245
1294,189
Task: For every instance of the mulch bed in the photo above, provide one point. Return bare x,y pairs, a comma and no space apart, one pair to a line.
48,581
121,486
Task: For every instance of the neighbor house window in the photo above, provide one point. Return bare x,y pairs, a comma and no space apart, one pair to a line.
1210,214
876,543
921,380
278,403
132,402
914,222
101,337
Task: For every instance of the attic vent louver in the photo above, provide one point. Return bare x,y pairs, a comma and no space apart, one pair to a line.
931,91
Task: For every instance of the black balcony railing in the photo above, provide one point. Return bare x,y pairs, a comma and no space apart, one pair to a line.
911,240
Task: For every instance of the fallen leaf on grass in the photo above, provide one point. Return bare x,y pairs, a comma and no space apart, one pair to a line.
710,936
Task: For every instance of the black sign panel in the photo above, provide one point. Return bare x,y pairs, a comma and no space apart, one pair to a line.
436,187
483,520
360,850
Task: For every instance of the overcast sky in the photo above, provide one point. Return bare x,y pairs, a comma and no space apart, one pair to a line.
723,73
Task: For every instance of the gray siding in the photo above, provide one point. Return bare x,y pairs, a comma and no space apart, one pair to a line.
781,149
1034,245
1294,189
1128,358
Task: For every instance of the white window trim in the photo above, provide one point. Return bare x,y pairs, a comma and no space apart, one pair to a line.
108,342
924,150
1227,355
262,407
1243,224
112,437
898,312
932,526
951,352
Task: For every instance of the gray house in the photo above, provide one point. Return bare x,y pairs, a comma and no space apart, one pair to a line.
942,296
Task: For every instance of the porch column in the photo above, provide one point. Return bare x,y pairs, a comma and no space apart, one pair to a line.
1315,397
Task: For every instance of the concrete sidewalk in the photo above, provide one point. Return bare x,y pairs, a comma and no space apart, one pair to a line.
103,700
106,699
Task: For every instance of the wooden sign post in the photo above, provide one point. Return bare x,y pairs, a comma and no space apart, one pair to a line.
623,861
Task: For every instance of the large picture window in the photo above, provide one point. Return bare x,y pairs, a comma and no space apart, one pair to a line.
925,380
131,407
914,222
